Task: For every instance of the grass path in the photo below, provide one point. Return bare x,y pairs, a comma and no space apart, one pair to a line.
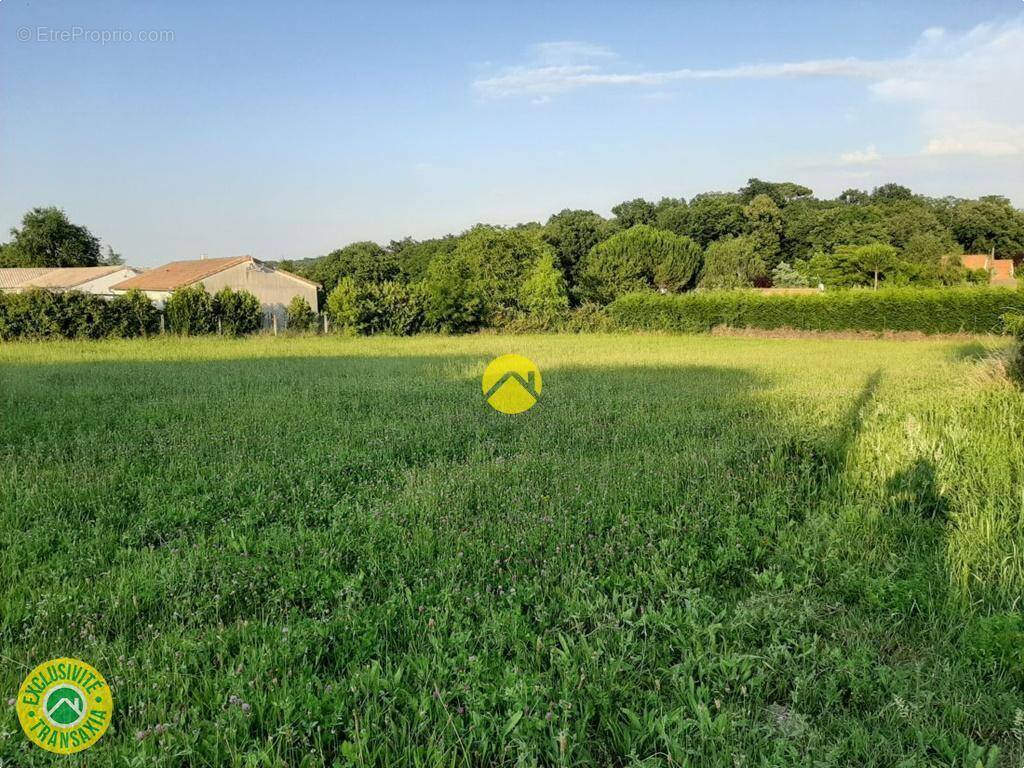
693,551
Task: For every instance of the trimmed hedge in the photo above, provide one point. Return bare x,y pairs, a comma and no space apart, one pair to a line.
40,314
928,310
191,311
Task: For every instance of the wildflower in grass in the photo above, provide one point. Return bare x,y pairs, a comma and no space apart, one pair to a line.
246,707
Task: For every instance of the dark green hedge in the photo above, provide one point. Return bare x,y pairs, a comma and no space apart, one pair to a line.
929,310
39,314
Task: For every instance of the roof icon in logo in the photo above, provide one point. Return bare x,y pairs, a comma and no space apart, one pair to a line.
512,384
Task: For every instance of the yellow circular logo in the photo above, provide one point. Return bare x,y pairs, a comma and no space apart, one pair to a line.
511,383
64,705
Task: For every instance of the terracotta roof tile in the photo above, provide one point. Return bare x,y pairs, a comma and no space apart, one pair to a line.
1002,269
178,274
975,260
69,277
11,277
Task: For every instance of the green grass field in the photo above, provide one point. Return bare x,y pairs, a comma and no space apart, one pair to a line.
698,551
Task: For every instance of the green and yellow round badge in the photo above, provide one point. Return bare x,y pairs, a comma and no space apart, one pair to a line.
511,383
64,706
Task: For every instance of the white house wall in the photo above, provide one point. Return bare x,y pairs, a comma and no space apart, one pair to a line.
101,285
273,289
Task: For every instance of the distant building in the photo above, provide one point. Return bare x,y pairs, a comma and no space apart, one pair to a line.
12,277
94,280
274,288
1001,271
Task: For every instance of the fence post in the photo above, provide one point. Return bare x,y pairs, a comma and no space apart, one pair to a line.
162,329
220,328
325,322
273,320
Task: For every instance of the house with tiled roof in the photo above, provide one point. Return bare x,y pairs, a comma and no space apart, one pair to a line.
274,288
1001,271
12,277
94,280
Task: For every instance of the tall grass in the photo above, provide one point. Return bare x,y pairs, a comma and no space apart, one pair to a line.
693,550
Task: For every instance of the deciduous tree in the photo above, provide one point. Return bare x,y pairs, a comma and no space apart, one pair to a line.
572,233
764,222
48,239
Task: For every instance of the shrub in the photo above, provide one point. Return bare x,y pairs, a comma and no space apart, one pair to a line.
39,314
455,292
588,318
30,315
638,258
390,307
238,312
543,294
732,262
784,276
132,314
190,311
342,306
80,315
929,310
1014,324
7,330
479,282
301,316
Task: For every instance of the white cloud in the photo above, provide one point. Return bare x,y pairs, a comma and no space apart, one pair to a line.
568,52
966,87
521,80
953,145
860,156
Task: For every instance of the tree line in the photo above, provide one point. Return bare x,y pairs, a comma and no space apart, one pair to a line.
765,234
533,274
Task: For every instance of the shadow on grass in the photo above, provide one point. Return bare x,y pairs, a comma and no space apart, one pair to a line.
915,490
973,351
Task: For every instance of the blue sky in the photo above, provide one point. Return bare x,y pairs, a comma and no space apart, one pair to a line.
286,130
